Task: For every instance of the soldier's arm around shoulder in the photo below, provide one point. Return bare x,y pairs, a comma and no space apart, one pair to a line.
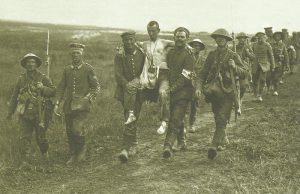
93,83
119,71
14,98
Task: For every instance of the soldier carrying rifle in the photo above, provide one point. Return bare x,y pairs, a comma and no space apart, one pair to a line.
219,87
31,101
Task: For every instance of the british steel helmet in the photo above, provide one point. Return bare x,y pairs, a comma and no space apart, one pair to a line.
31,56
197,41
221,32
242,35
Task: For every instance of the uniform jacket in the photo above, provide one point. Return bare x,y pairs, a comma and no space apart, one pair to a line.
77,82
180,60
264,56
280,54
24,86
127,68
217,64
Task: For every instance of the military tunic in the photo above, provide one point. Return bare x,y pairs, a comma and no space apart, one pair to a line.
128,68
79,86
179,60
26,94
281,60
246,54
264,62
216,69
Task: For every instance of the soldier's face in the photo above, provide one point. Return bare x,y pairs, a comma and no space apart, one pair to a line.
197,47
129,42
269,33
221,41
31,64
76,56
242,40
277,38
180,39
260,39
153,32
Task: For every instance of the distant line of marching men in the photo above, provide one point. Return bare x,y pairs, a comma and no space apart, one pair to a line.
174,73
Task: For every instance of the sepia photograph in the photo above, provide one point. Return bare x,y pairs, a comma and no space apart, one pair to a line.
157,96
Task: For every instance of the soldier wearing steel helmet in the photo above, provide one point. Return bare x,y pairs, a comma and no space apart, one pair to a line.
281,61
198,46
218,87
244,50
31,101
78,88
264,62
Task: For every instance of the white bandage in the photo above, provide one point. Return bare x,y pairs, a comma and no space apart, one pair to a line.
187,74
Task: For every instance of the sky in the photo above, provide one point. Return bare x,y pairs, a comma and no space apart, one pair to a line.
249,16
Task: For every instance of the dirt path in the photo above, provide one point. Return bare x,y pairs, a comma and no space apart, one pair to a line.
263,157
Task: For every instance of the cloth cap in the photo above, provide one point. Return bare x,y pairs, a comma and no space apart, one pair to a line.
128,34
187,32
77,47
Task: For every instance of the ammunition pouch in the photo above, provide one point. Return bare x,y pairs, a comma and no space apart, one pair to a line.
212,90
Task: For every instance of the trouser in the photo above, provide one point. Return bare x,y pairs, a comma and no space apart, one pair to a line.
192,111
130,130
259,80
164,97
274,77
27,126
221,108
76,131
243,86
176,125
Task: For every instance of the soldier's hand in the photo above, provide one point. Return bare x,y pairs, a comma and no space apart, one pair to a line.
39,85
56,107
198,93
231,63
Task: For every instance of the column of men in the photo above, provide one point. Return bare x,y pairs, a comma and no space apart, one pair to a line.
171,72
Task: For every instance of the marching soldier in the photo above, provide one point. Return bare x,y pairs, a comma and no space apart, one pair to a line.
31,101
246,54
264,63
129,62
281,61
181,65
197,46
269,34
78,88
286,38
217,79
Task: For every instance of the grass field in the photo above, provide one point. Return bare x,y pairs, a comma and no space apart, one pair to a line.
263,156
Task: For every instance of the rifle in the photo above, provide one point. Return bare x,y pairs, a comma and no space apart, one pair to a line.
47,54
236,86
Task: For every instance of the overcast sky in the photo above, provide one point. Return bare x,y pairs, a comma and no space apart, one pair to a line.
197,15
